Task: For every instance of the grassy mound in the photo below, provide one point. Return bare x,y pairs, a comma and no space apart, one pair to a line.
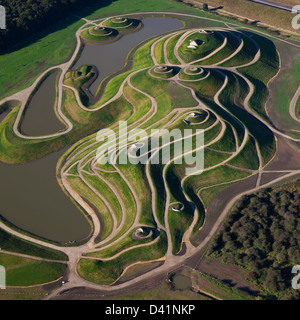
99,34
207,43
164,72
79,78
121,23
192,74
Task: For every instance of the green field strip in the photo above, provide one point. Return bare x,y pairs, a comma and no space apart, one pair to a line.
179,222
227,143
111,88
140,103
86,193
12,243
142,56
28,272
159,51
247,158
170,46
215,176
190,192
260,73
72,169
137,174
107,272
105,191
160,192
212,158
245,56
209,86
263,135
126,196
124,244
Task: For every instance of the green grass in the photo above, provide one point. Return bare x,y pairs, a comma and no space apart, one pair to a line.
79,78
22,66
261,72
28,272
212,158
247,158
260,132
227,142
13,244
221,174
107,272
297,112
125,243
231,47
171,42
245,56
159,52
89,196
210,44
179,222
125,24
166,73
91,35
208,87
137,174
192,77
142,56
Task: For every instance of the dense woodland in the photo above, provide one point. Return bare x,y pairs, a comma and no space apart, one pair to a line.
27,17
262,235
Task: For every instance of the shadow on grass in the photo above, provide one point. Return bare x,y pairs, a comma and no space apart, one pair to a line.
18,41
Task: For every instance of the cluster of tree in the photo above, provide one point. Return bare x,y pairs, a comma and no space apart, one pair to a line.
262,235
26,17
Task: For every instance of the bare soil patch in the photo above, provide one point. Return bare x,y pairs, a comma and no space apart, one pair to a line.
227,273
286,157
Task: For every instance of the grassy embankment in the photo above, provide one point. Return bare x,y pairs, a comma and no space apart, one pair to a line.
107,272
28,272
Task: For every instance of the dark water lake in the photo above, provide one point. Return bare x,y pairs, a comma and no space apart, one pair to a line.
32,199
40,117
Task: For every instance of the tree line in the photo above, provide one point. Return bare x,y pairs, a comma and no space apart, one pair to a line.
27,17
262,236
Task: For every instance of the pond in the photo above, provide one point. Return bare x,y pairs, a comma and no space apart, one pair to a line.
111,57
40,117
